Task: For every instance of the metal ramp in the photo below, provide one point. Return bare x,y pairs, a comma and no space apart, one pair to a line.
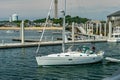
81,29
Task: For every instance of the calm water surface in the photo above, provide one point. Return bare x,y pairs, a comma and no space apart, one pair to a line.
20,64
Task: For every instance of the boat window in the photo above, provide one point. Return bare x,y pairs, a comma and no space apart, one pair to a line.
80,55
70,59
84,49
66,55
58,55
116,36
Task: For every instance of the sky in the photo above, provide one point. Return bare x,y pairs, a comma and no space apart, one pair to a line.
35,9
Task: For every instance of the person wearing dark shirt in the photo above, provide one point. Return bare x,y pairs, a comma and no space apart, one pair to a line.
93,48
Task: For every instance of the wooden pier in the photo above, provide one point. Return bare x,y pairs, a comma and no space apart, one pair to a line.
48,43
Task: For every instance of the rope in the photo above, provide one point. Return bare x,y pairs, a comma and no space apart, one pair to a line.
46,22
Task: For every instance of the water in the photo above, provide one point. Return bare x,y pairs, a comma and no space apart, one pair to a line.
29,34
20,64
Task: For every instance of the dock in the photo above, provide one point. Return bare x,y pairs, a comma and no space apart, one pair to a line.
47,43
25,40
34,43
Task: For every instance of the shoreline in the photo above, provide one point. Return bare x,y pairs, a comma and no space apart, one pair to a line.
31,28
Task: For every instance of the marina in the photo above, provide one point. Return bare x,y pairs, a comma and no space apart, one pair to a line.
25,42
22,52
75,43
90,38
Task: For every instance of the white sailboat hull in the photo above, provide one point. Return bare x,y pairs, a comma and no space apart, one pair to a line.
73,59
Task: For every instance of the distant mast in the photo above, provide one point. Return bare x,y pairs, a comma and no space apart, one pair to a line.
56,9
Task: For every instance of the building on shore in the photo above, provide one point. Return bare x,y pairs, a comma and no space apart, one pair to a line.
14,17
114,18
113,21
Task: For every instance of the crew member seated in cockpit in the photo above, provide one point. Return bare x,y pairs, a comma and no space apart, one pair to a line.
93,48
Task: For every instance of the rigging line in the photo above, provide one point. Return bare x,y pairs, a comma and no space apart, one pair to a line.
46,22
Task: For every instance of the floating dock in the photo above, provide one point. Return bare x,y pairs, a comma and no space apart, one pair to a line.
48,43
26,40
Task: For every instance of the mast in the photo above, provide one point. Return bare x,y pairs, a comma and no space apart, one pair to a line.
56,9
63,34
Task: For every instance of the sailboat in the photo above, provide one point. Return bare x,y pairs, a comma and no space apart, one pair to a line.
83,56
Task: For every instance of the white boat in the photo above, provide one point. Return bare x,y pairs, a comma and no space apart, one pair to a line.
109,59
40,31
9,31
84,56
116,35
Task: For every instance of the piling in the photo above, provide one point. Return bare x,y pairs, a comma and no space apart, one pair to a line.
22,32
97,28
100,28
73,32
87,28
92,28
110,29
104,29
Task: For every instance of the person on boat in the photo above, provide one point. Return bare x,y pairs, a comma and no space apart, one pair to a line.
93,48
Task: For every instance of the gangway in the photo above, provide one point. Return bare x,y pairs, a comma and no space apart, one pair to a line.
81,29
